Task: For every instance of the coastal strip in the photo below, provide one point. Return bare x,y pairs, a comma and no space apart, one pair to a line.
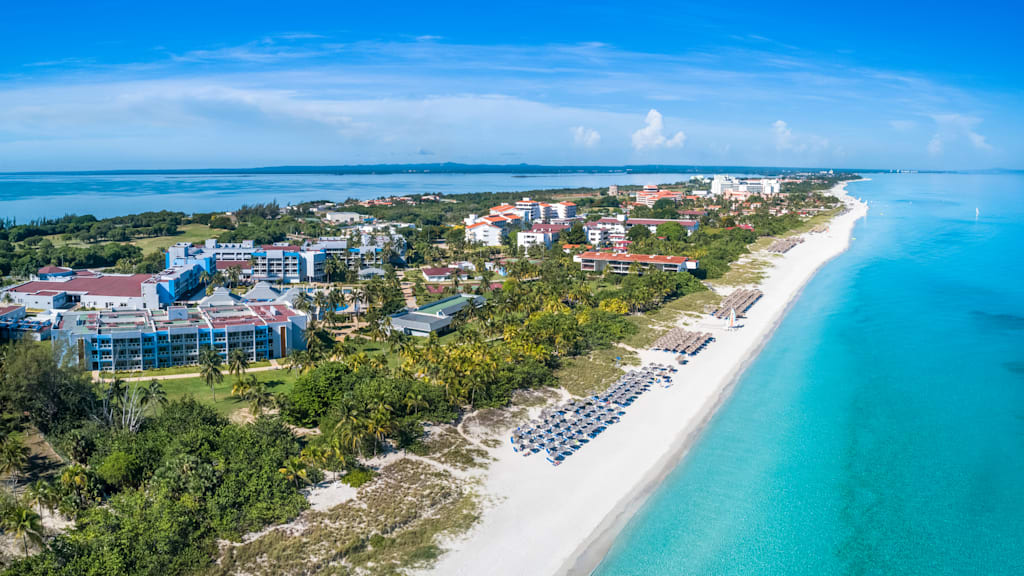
563,520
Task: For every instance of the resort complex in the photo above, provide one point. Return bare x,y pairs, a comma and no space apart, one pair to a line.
403,345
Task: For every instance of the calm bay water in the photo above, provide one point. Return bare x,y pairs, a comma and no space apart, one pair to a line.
31,196
881,431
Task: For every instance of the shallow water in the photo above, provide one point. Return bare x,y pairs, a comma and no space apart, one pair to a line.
881,430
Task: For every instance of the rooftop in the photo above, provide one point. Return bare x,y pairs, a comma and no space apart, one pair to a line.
98,285
642,258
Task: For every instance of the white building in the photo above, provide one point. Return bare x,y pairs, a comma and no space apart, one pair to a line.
343,217
564,210
485,233
540,235
726,185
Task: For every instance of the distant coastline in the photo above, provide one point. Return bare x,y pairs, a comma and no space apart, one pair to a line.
457,168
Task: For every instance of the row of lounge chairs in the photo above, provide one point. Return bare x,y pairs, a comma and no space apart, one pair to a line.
682,341
740,301
785,244
560,431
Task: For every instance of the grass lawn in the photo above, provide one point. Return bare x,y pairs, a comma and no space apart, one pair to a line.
278,381
192,369
186,233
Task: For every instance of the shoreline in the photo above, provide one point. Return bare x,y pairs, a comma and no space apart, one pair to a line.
571,527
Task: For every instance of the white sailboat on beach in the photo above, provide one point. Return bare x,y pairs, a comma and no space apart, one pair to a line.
732,318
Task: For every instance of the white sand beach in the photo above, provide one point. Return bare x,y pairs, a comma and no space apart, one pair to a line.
548,520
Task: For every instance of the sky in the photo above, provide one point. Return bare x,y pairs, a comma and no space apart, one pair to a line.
143,85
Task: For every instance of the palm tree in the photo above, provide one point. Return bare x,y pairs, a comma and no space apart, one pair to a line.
342,348
474,385
25,524
209,371
320,300
259,398
13,456
317,455
294,471
238,363
414,402
154,394
379,424
351,431
299,361
242,386
75,479
303,303
234,276
35,494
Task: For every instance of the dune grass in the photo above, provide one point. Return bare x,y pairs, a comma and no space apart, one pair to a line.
394,525
586,375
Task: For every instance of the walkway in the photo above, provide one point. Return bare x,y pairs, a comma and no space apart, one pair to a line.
98,375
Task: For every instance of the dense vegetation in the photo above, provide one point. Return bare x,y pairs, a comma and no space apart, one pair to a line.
151,484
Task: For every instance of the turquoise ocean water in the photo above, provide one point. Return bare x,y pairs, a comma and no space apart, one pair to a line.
25,197
881,430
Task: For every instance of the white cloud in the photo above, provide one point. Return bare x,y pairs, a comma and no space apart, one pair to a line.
652,135
953,127
783,135
786,140
902,125
585,137
978,141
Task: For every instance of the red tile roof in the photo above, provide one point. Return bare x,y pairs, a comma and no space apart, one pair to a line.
53,270
8,309
225,264
655,258
281,248
438,271
122,286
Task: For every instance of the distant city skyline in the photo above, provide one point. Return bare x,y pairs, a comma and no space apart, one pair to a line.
126,86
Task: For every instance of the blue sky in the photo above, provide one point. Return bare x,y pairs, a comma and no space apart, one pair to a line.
188,85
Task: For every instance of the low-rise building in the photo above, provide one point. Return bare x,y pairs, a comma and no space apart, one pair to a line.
15,325
488,231
620,263
614,230
539,235
90,289
343,217
743,188
433,317
145,339
443,274
363,249
650,195
54,273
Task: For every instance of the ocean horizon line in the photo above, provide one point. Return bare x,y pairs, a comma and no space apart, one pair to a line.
469,168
